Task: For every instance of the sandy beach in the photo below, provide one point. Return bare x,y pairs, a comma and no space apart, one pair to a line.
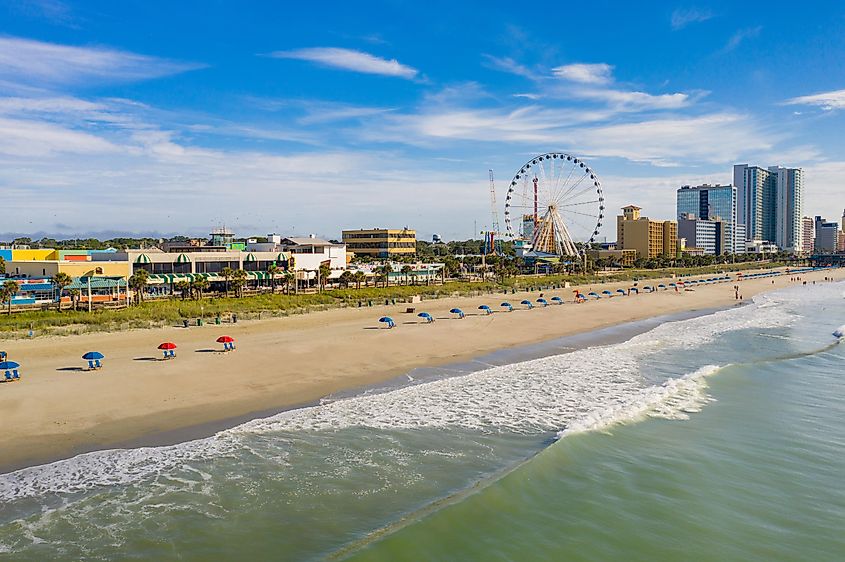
58,410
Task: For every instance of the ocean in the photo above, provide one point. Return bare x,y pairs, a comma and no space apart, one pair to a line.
716,437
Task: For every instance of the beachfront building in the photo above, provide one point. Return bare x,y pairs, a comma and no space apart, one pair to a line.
827,236
770,203
808,235
75,263
715,203
711,236
381,242
650,238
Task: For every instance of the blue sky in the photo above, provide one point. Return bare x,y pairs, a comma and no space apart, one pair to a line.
153,117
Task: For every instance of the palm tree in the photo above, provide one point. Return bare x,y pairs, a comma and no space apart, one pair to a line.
385,271
359,277
289,276
9,290
238,281
60,281
184,288
406,270
324,272
2,265
199,285
272,271
346,278
138,282
227,274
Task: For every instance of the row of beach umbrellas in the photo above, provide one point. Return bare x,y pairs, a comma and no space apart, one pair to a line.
95,358
390,323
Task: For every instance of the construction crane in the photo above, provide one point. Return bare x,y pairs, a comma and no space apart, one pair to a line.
492,237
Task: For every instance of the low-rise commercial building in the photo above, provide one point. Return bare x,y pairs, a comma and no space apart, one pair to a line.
619,258
381,242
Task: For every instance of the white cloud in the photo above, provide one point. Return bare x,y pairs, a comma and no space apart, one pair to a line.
826,100
348,59
583,73
35,62
634,100
29,138
507,64
683,17
740,36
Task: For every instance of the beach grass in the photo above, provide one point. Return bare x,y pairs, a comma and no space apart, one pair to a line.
163,312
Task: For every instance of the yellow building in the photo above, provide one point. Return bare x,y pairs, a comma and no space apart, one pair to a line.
381,242
48,268
648,237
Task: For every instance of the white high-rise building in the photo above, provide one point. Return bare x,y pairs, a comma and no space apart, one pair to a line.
770,203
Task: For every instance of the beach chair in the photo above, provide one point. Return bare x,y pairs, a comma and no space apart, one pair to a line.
91,365
173,354
97,364
16,375
8,375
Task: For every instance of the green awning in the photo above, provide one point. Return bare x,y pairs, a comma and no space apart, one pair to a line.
249,258
81,283
143,258
283,256
183,259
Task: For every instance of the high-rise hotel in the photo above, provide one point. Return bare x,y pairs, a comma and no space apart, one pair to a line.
770,203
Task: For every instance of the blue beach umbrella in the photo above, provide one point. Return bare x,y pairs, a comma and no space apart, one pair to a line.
507,305
527,303
426,316
672,285
557,300
6,365
661,286
458,311
486,309
387,320
544,302
594,294
92,355
621,291
648,288
606,292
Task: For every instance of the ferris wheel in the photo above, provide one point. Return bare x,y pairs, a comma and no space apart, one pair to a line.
555,200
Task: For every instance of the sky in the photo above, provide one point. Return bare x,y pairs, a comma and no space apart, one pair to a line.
158,118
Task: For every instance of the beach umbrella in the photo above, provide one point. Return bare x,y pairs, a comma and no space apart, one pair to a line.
608,293
225,339
527,303
92,355
387,320
486,309
6,365
648,288
557,300
507,305
594,294
672,285
458,311
621,291
426,316
167,345
544,302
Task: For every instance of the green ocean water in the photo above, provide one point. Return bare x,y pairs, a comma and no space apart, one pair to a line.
757,475
720,437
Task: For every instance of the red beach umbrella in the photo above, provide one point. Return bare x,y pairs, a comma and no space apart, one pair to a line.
225,339
167,345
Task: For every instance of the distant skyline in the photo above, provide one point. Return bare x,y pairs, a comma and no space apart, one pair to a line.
159,118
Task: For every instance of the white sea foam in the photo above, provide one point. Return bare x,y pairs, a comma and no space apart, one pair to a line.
584,389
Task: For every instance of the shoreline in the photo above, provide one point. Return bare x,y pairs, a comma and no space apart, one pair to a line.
106,410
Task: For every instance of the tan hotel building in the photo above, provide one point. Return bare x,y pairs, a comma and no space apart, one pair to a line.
649,238
381,242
